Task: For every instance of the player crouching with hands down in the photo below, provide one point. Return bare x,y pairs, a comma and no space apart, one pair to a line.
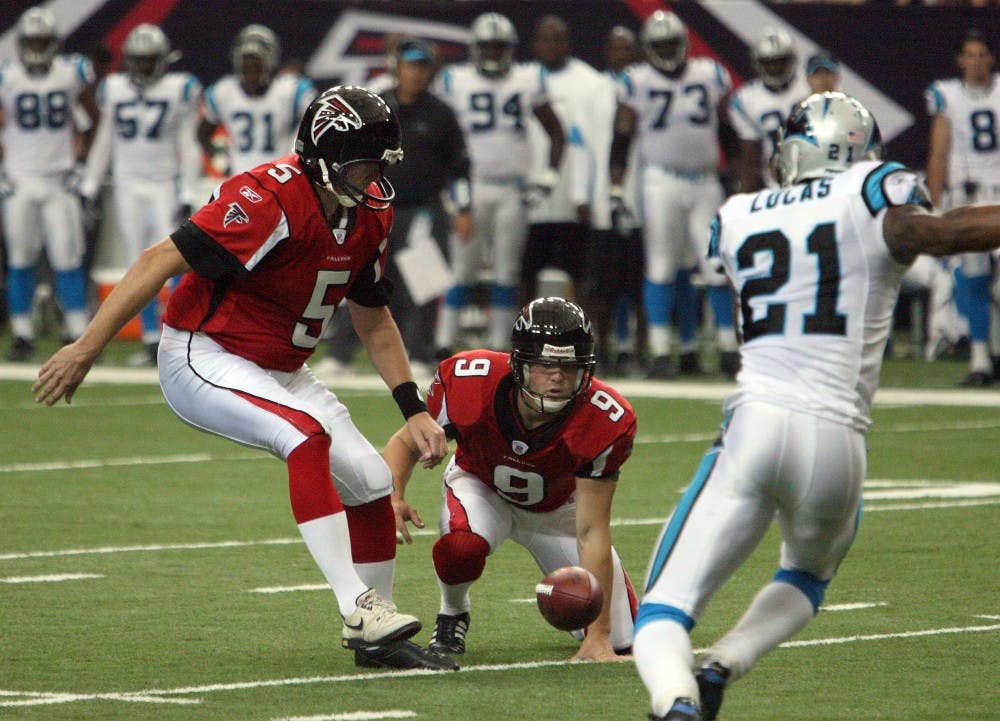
264,265
540,445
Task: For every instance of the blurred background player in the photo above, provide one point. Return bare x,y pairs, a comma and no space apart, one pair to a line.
559,221
757,111
436,162
792,446
40,175
540,447
673,106
147,134
258,106
963,167
492,97
823,73
612,290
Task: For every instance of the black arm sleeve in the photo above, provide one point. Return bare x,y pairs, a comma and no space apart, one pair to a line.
367,291
207,258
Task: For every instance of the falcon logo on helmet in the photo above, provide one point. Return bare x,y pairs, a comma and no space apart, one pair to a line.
336,113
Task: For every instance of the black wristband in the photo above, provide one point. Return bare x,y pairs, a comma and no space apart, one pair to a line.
408,399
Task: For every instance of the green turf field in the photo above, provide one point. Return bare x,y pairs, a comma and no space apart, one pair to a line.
134,551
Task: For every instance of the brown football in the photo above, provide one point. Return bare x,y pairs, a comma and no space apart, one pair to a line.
570,598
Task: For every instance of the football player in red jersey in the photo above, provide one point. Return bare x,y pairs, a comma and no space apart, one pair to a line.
265,265
540,446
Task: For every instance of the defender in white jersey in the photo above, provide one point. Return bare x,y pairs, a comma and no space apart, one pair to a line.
39,175
817,266
674,106
258,106
147,136
758,110
963,166
492,97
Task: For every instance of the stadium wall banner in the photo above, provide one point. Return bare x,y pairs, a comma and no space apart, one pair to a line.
889,54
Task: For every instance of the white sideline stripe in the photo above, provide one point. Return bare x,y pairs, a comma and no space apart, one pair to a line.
353,716
49,579
127,461
151,547
291,589
153,694
615,523
851,606
629,388
885,636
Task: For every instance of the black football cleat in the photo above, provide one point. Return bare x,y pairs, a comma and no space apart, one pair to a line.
729,363
661,369
711,680
691,365
449,633
403,655
21,350
684,709
976,379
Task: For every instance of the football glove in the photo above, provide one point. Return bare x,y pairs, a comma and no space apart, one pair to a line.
622,221
6,185
73,179
537,190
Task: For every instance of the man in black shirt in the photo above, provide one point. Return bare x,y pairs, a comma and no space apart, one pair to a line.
435,162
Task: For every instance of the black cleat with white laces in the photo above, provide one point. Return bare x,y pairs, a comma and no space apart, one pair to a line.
404,655
711,680
449,633
684,709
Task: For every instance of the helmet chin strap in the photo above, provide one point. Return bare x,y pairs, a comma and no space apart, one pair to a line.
543,403
345,200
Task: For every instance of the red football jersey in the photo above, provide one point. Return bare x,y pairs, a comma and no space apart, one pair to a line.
269,270
473,397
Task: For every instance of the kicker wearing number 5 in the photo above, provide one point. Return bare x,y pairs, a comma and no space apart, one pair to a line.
540,446
265,264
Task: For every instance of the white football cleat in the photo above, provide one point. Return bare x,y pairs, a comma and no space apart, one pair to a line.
376,622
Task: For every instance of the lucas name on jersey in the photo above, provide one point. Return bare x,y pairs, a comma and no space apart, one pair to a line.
789,196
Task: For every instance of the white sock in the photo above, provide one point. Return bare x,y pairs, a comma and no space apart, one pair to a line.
329,542
658,338
22,327
447,326
501,320
378,575
777,613
979,357
454,599
726,339
662,653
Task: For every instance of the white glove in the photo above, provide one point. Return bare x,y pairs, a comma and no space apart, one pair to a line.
73,179
622,221
537,190
6,185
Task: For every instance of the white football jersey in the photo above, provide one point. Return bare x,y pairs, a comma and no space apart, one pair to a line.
758,113
817,287
677,118
38,130
574,92
492,113
974,117
260,127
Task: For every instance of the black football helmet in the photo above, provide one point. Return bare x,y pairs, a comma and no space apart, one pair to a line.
552,331
344,126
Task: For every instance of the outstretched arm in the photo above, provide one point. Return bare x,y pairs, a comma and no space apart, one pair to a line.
61,374
910,230
401,455
593,539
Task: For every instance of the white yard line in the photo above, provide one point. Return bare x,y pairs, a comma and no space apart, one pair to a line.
353,716
165,695
291,589
630,388
52,578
